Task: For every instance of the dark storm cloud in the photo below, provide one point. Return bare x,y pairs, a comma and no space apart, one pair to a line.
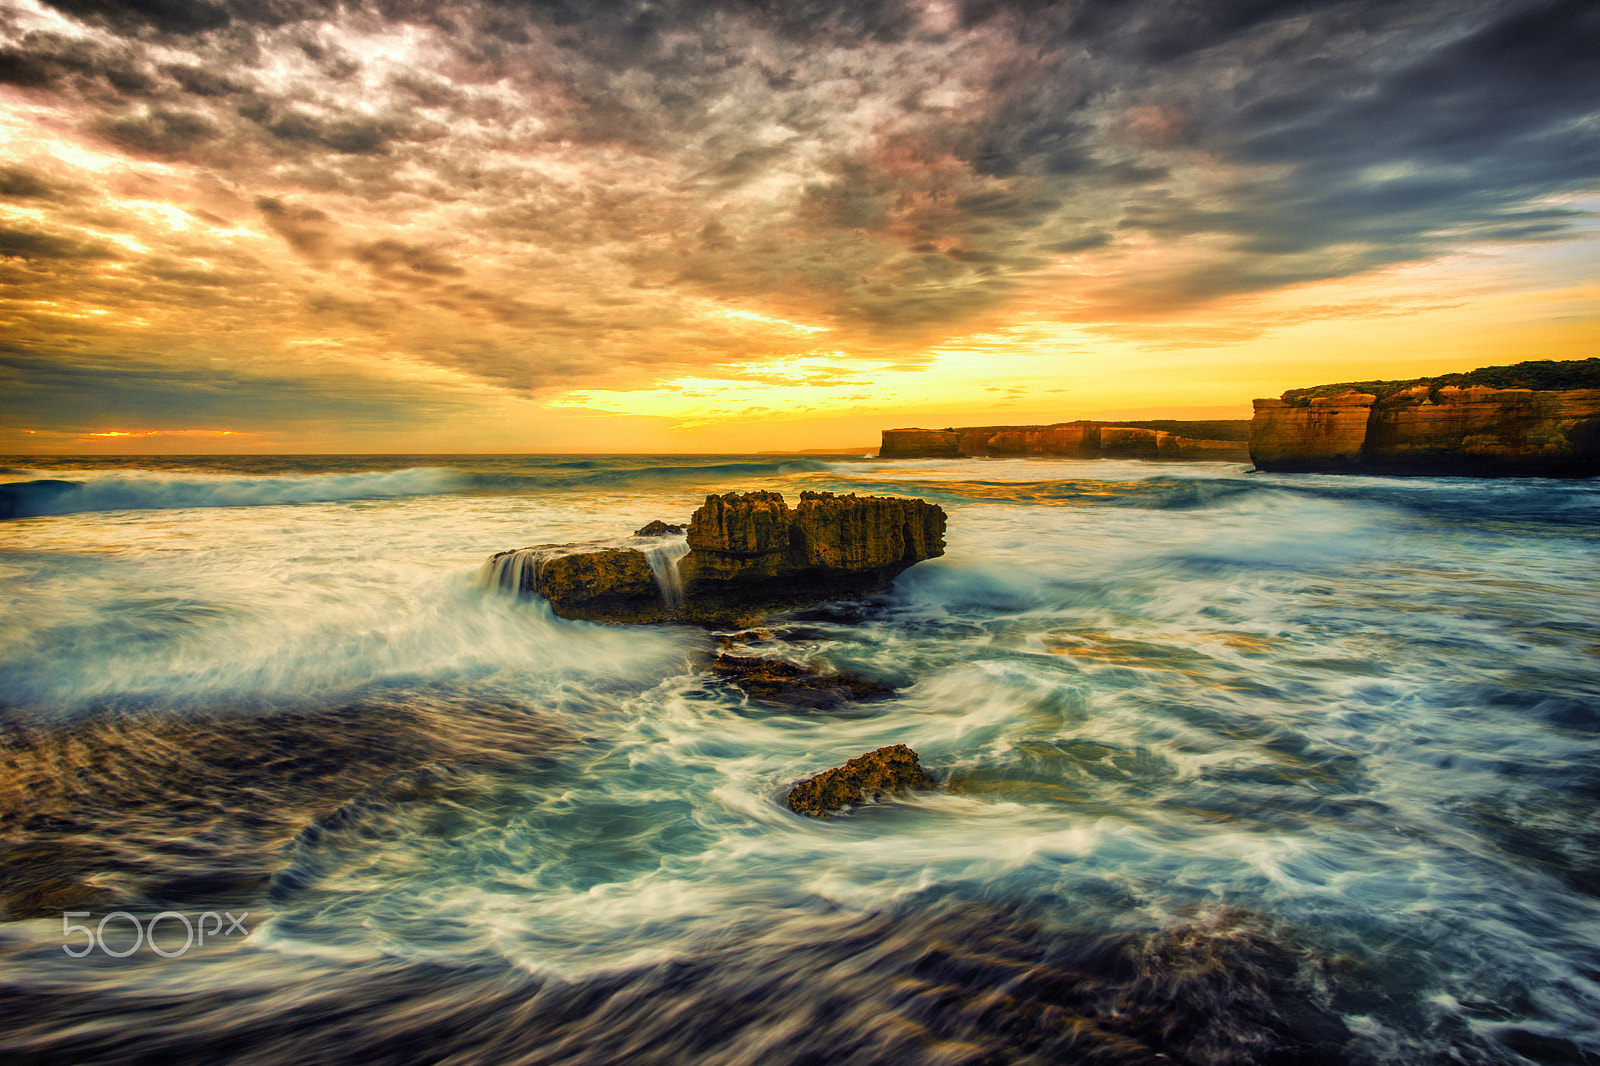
132,16
88,393
348,136
159,132
20,183
1469,133
200,82
308,230
390,257
91,69
185,18
27,242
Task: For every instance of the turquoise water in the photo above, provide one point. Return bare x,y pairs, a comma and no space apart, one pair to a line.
1236,768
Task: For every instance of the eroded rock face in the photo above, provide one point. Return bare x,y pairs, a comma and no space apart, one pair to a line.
920,444
1452,426
1161,441
870,776
750,551
1486,430
1325,434
746,525
747,554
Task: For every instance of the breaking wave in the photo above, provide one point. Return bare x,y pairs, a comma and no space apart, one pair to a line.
614,474
32,499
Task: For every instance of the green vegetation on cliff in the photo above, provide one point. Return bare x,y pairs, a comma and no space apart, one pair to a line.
1543,374
1194,429
1203,429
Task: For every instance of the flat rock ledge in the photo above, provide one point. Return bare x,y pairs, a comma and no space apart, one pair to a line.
870,776
744,555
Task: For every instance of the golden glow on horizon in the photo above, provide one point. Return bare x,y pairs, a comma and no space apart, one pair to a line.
1446,315
786,389
165,433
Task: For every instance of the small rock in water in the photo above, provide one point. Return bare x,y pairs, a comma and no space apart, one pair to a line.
892,769
797,685
842,614
657,528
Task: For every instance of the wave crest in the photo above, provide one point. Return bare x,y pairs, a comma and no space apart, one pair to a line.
32,499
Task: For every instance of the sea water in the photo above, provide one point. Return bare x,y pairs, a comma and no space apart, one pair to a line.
1233,767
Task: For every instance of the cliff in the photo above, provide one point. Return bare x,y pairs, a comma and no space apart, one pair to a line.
1221,439
1539,419
743,555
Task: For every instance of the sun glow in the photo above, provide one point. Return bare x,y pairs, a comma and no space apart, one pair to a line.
166,433
751,316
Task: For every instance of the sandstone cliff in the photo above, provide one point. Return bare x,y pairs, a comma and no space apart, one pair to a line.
1164,441
744,554
1493,422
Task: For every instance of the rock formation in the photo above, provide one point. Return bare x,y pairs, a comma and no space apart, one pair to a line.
892,769
1224,440
1325,433
1493,422
804,686
744,554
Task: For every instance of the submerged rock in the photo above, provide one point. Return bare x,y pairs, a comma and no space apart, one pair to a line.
794,684
745,554
218,809
658,528
892,769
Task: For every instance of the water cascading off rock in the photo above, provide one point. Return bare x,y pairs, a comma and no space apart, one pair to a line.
744,554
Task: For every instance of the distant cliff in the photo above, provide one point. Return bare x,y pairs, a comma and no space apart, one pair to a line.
1538,419
1219,439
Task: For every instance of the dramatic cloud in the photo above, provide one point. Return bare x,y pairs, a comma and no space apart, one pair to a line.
574,198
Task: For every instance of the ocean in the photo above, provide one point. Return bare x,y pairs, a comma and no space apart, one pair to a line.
1234,768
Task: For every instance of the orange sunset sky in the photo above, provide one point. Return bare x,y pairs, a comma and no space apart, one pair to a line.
731,226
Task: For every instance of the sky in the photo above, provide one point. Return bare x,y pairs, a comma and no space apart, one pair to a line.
741,225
